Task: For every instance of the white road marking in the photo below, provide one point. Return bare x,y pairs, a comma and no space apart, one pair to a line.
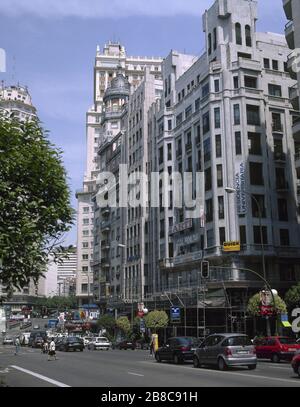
232,373
39,376
136,374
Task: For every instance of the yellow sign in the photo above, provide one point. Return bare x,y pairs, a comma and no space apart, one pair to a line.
231,246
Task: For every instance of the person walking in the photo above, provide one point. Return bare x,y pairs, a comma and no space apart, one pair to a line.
45,347
17,346
52,351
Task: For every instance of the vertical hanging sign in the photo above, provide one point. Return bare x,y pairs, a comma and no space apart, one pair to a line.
240,188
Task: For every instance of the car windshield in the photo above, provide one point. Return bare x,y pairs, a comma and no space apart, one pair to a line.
101,339
188,341
74,339
287,341
238,341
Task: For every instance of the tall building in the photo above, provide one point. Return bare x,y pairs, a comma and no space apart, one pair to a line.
108,63
292,33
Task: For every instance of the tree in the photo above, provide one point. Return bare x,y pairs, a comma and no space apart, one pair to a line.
292,297
254,305
124,325
35,209
106,322
156,320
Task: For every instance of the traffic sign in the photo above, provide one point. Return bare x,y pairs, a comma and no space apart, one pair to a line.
175,314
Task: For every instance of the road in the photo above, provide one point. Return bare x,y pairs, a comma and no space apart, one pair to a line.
115,368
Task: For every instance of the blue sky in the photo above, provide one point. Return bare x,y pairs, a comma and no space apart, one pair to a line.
51,45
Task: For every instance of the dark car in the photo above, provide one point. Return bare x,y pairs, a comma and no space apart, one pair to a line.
276,348
37,342
296,363
177,349
226,350
124,344
33,335
71,343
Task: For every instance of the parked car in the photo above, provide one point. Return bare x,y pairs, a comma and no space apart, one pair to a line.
177,349
226,350
87,340
142,344
8,340
276,348
70,343
37,342
99,343
124,344
296,363
36,327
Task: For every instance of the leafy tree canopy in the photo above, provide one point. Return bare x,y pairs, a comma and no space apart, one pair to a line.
292,297
123,324
35,209
156,319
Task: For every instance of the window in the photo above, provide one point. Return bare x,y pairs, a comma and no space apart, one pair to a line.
261,202
86,209
275,90
266,63
217,85
243,235
253,116
209,210
287,272
256,173
85,257
197,104
207,177
85,232
276,122
161,155
215,39
210,236
169,125
238,143
275,65
219,175
205,90
284,237
238,34
282,210
84,288
169,151
254,143
221,210
280,178
218,146
205,123
236,114
178,119
207,150
256,235
236,82
217,118
248,36
250,82
86,221
222,235
85,245
188,111
209,44
85,269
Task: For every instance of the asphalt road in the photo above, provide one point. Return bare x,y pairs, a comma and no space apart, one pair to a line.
115,368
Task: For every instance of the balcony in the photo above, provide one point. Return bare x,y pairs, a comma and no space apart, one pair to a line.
290,34
294,96
296,128
105,262
287,5
247,63
105,226
105,245
188,258
105,211
292,63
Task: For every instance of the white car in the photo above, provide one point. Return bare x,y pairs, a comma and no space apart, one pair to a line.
99,343
8,340
87,340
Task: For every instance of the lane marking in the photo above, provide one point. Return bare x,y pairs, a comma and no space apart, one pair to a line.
39,376
296,381
136,374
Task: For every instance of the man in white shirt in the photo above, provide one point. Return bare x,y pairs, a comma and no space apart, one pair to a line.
52,352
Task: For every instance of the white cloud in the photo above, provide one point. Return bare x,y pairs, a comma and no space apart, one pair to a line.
102,8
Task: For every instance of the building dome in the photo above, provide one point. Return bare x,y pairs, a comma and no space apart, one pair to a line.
119,88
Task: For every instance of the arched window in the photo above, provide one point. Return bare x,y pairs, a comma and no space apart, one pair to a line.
248,36
238,34
215,38
209,44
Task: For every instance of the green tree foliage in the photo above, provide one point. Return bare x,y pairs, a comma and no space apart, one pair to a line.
35,209
124,325
59,303
292,297
156,320
254,305
106,322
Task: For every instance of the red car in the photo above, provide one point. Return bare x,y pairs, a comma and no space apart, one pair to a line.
296,364
276,348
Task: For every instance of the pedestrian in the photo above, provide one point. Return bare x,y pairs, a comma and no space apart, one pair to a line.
45,346
152,346
17,345
52,351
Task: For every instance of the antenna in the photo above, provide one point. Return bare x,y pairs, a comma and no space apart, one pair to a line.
13,75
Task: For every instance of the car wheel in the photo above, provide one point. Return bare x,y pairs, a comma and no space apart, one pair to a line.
196,362
298,370
275,358
177,360
252,367
221,364
81,350
157,357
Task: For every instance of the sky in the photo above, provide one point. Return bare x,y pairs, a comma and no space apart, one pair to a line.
50,47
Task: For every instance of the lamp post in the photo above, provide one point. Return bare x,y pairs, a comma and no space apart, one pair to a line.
233,191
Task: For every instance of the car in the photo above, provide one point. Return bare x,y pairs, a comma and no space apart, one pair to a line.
226,350
37,342
99,343
124,344
142,344
8,340
36,327
177,349
276,348
88,339
32,336
70,343
24,338
296,363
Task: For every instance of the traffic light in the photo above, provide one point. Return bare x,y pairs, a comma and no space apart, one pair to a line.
205,269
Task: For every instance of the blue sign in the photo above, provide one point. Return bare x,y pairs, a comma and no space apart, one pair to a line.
142,326
52,323
175,314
